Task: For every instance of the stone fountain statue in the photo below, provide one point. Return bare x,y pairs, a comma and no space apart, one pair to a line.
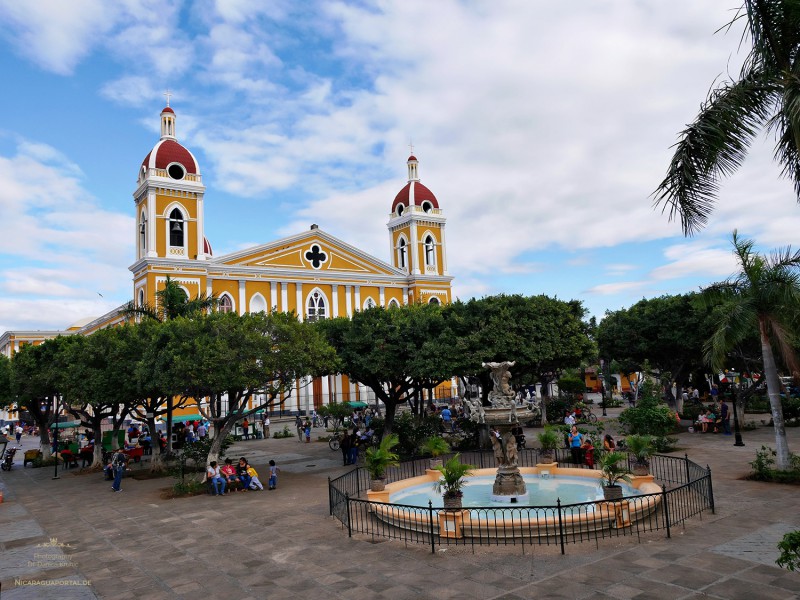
501,416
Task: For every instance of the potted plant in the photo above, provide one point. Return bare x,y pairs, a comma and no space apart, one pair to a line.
641,447
435,446
612,471
452,482
380,458
549,440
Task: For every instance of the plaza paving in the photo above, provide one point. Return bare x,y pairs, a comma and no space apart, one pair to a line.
283,544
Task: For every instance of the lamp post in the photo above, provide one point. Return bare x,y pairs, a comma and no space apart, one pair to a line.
602,388
55,435
736,431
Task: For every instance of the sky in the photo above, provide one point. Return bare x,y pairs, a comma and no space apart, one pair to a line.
541,127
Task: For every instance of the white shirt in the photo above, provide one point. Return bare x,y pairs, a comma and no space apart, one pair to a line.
569,420
19,429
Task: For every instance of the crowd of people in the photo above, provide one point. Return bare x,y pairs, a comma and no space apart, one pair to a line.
240,477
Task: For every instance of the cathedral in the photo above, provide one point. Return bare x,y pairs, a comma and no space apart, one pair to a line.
311,273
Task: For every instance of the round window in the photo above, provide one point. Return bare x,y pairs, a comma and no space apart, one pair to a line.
427,206
400,209
176,171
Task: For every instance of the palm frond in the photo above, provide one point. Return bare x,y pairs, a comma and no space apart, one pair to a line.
714,146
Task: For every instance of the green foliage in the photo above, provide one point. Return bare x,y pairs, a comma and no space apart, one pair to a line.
190,487
571,385
337,412
412,431
172,303
284,433
6,397
453,473
377,460
550,439
649,416
43,462
556,407
789,547
641,446
199,450
435,446
764,463
612,468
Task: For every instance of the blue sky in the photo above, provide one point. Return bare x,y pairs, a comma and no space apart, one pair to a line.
541,127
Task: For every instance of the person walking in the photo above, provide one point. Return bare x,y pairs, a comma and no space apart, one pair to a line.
246,429
18,434
298,423
725,416
273,475
118,463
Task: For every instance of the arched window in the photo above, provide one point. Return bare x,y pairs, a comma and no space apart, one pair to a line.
225,304
394,303
176,228
401,253
433,300
140,302
258,304
143,232
430,251
315,307
369,303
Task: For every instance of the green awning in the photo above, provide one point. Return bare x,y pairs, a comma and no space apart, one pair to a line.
65,425
184,418
357,404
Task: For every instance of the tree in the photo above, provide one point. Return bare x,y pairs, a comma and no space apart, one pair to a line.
6,396
667,332
242,364
767,94
765,294
99,381
171,302
37,382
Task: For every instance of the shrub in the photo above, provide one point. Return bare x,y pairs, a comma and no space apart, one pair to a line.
189,487
790,551
284,433
649,416
571,385
763,467
413,430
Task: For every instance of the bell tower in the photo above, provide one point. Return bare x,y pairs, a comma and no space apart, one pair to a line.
169,199
417,238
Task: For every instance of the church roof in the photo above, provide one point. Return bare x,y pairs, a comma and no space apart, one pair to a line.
414,194
168,109
168,151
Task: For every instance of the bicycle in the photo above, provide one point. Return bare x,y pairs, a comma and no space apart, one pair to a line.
586,416
335,442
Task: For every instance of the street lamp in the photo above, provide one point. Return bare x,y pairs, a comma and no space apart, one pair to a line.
735,386
602,388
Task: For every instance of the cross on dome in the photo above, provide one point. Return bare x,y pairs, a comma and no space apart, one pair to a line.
168,94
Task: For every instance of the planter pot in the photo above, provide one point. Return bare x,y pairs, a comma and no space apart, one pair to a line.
548,456
435,462
613,492
377,485
641,469
452,502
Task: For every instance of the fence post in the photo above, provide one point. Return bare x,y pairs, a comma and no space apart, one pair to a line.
330,497
686,463
349,527
664,501
560,525
430,522
710,490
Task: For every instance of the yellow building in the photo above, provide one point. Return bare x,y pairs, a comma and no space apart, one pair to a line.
311,273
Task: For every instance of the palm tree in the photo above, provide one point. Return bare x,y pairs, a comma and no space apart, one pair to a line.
767,94
765,293
171,302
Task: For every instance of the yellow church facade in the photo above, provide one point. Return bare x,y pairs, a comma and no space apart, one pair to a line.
312,273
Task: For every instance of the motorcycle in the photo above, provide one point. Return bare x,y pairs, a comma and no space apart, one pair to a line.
8,459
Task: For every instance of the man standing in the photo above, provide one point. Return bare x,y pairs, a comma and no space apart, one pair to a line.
447,418
726,417
118,463
298,424
18,433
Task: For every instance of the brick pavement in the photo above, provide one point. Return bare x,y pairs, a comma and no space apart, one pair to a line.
283,544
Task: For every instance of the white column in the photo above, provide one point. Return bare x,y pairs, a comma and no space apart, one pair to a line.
284,297
348,297
326,390
273,296
334,301
209,287
444,253
414,243
242,297
201,251
405,295
383,295
299,300
151,224
358,297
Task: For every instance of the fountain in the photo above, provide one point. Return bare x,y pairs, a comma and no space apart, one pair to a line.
501,417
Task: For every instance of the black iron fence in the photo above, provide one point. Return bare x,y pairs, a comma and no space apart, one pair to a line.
686,491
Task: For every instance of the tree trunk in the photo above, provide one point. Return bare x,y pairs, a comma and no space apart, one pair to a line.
216,443
44,441
773,389
391,407
156,458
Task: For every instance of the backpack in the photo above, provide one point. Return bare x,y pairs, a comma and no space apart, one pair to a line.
119,460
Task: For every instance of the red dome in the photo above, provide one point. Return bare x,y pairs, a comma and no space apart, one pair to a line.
412,157
207,247
167,152
421,193
168,109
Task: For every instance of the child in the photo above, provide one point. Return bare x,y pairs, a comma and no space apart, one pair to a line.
255,484
273,475
307,430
